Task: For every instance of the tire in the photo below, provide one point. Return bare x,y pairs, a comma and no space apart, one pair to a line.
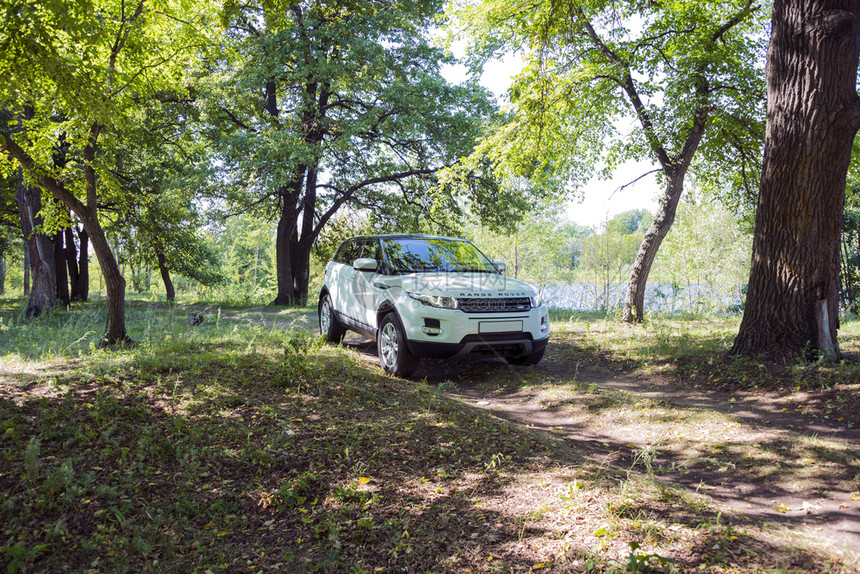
394,354
330,328
527,360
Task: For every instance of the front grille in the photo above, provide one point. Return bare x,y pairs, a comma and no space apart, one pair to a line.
495,304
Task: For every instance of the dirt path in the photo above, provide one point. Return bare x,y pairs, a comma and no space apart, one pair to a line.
760,458
817,496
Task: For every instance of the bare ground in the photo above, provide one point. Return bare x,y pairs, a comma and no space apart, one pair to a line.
743,470
761,457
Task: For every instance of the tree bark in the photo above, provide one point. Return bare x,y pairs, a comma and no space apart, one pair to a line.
284,243
634,302
26,271
60,269
2,275
165,276
81,289
40,249
115,332
813,116
71,257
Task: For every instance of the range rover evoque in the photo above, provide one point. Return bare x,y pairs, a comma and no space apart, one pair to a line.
434,297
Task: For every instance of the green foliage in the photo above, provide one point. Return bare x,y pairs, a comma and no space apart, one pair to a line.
539,249
247,258
705,256
849,269
80,65
610,253
605,83
159,223
314,107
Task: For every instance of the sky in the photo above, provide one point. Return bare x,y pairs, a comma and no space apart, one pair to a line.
602,199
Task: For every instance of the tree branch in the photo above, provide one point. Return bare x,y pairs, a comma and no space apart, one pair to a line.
629,87
629,183
239,122
41,178
347,194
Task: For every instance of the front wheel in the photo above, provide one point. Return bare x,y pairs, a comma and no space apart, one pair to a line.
394,356
330,328
527,360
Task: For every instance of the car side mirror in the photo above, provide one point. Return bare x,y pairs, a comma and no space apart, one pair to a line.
365,264
500,265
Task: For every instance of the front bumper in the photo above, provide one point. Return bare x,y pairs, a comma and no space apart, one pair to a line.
499,345
451,334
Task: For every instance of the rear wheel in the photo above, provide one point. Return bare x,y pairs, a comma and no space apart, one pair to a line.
330,328
527,360
394,356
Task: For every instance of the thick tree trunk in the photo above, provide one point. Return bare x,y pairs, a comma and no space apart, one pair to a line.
813,116
165,276
302,247
60,269
81,289
283,260
301,270
40,250
284,243
634,302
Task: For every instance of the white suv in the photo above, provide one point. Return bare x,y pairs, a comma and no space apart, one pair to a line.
435,297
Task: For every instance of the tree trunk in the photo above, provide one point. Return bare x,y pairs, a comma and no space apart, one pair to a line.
674,170
813,116
2,275
26,271
60,269
71,257
284,249
114,283
39,249
634,302
165,276
302,269
81,290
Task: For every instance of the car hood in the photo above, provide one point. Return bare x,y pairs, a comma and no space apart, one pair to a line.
464,285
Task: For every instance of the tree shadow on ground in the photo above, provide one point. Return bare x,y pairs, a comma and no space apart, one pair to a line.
790,473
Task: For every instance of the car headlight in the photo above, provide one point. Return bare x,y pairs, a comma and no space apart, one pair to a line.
535,301
436,300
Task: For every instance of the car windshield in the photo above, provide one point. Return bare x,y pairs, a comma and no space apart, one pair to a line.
427,255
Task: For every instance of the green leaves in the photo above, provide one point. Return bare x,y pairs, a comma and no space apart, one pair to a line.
320,105
606,83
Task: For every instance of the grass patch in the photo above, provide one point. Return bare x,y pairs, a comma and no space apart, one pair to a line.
235,446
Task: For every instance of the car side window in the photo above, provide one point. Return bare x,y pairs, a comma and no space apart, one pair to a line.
372,251
341,253
353,251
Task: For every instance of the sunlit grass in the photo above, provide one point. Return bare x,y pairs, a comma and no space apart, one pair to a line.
235,445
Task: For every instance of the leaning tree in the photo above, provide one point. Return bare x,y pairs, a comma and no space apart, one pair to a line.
813,115
676,83
83,69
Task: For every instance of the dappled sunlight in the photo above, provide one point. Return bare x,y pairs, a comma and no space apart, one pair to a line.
265,449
